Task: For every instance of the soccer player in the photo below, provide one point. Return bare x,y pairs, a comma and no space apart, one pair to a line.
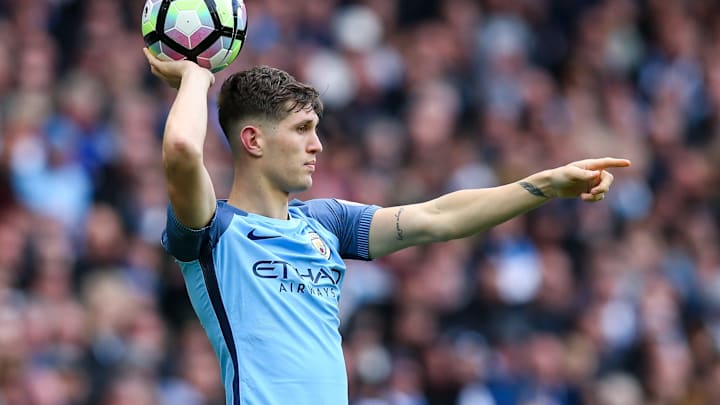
264,274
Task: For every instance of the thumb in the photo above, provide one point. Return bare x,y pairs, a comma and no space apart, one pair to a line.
584,174
590,178
590,174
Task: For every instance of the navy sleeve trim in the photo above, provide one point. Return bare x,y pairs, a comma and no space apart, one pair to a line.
363,242
185,243
182,242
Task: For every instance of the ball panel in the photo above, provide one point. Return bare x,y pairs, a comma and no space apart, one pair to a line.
234,52
150,16
155,48
205,16
220,54
242,18
187,4
224,9
170,53
198,36
218,60
204,63
214,56
179,37
187,22
171,17
213,49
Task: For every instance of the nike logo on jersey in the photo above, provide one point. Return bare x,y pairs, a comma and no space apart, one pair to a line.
252,236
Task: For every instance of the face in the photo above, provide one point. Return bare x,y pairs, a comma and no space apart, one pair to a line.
291,149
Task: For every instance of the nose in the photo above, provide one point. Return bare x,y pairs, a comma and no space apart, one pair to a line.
315,145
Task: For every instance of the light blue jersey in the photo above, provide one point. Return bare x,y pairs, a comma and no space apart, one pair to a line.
267,291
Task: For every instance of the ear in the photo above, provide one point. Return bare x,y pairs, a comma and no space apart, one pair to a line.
251,138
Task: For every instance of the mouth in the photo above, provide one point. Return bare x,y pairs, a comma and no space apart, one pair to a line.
311,165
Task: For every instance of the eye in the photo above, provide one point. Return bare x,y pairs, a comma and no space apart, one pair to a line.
304,128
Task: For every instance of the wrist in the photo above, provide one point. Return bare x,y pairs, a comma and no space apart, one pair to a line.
539,184
195,72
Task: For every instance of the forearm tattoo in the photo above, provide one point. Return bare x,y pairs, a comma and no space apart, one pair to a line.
532,189
398,229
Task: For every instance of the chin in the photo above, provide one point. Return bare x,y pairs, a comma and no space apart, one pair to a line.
299,188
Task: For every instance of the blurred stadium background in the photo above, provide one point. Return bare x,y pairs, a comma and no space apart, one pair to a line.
615,303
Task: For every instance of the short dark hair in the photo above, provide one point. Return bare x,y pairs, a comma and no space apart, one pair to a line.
266,93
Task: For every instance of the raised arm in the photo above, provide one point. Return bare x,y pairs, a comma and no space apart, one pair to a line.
190,189
468,212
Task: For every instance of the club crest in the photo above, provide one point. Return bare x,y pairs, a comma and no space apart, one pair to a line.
319,244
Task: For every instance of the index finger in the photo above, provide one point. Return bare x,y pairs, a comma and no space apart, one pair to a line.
603,163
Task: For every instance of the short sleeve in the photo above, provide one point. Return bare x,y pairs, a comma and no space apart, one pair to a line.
349,221
181,242
184,243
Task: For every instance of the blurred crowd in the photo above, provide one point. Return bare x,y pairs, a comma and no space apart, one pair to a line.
613,303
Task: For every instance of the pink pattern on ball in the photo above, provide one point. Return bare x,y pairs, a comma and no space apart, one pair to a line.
199,35
179,37
170,53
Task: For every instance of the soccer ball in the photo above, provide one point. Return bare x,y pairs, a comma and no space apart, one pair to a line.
210,33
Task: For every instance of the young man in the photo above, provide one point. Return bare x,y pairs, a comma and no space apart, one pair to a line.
264,274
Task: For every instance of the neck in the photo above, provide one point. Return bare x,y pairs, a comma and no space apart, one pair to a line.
259,198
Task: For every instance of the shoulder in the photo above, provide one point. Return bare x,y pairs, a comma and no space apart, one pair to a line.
339,216
330,207
324,204
310,207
